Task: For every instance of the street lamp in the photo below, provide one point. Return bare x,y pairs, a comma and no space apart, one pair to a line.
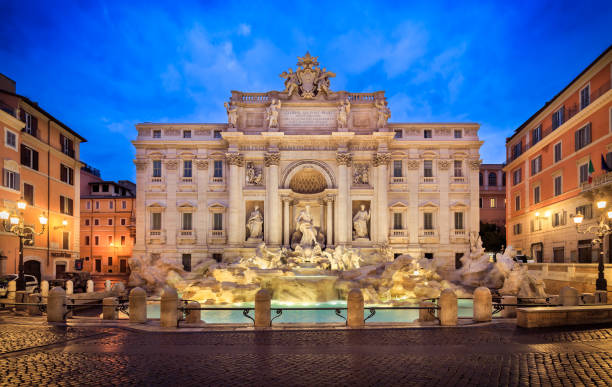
601,230
14,224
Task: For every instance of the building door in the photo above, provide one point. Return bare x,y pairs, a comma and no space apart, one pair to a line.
60,268
584,251
32,268
98,265
123,266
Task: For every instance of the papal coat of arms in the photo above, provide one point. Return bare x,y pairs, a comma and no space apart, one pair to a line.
309,80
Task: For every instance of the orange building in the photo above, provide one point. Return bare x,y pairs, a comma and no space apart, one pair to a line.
492,194
107,226
39,155
556,168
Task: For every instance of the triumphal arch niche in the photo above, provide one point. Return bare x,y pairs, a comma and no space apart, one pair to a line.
308,165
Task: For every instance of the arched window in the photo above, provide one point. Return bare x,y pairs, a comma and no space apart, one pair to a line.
492,178
480,178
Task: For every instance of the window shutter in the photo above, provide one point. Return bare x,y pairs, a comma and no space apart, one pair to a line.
588,134
34,126
22,115
71,176
70,207
17,183
62,209
561,115
35,160
63,176
4,177
62,142
24,160
577,140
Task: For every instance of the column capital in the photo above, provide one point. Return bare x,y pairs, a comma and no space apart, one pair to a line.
474,164
234,158
329,198
171,165
344,158
443,165
271,158
141,164
381,158
201,163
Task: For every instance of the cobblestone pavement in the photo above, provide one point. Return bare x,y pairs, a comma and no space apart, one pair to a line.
492,355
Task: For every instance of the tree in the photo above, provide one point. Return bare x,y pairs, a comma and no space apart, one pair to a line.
493,237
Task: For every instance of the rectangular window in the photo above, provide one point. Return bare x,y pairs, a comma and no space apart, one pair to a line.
98,265
186,262
66,205
66,174
156,221
558,118
187,168
217,221
187,217
558,154
397,133
428,168
123,221
218,168
97,205
31,123
28,193
559,219
536,195
186,133
86,240
96,240
110,221
95,188
86,222
123,204
492,179
428,221
397,168
67,145
558,254
157,133
88,205
111,204
584,173
480,202
458,133
582,137
10,179
517,176
586,211
104,187
65,240
536,165
517,229
110,240
96,222
10,139
122,240
29,157
492,203
585,97
216,134
458,220
517,150
157,168
458,168
427,133
536,135
110,261
397,220
517,202
123,266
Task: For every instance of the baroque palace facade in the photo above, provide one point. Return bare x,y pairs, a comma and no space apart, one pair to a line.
305,156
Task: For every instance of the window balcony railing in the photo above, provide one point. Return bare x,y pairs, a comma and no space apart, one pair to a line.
398,180
218,180
68,151
428,180
216,236
157,236
598,182
458,180
568,112
187,180
156,179
398,233
458,234
186,236
428,236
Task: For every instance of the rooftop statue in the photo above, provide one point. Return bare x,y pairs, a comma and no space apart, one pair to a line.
309,80
232,114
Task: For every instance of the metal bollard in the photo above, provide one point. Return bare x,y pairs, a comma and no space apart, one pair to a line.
425,314
109,308
90,286
169,308
194,315
263,300
483,305
354,305
138,306
56,305
509,311
448,308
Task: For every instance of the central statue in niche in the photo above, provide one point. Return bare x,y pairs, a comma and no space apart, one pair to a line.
306,234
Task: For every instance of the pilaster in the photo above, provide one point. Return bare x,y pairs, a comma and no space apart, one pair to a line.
444,221
271,161
474,168
142,172
344,235
412,175
381,162
172,221
236,163
202,210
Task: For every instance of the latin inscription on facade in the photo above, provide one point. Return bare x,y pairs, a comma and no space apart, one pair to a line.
300,118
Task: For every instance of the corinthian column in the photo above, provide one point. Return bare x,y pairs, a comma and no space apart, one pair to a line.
202,210
172,222
286,241
344,160
271,161
474,220
328,219
142,174
236,162
381,160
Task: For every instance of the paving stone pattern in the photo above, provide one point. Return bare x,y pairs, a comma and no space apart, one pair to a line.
492,355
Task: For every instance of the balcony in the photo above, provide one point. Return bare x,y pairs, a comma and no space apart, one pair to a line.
428,236
458,180
186,237
156,237
68,151
458,235
398,236
398,180
428,180
186,184
187,180
599,182
218,180
217,237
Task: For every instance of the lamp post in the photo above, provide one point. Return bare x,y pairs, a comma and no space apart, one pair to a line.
14,224
601,230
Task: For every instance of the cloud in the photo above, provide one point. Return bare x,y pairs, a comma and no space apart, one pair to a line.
244,29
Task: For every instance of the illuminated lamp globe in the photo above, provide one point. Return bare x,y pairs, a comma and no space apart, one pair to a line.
609,214
578,218
601,204
14,219
43,219
21,204
4,215
64,222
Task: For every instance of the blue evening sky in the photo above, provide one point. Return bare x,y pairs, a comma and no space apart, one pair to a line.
103,66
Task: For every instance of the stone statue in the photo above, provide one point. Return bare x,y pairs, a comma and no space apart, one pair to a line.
272,113
291,82
322,81
305,225
253,174
361,174
255,224
232,114
343,113
309,80
383,113
360,223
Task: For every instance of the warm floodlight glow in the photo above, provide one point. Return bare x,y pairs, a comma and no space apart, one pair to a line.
64,222
609,214
547,214
537,214
14,220
43,219
416,272
578,218
601,204
21,204
4,215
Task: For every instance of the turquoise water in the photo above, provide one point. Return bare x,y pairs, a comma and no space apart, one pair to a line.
308,316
